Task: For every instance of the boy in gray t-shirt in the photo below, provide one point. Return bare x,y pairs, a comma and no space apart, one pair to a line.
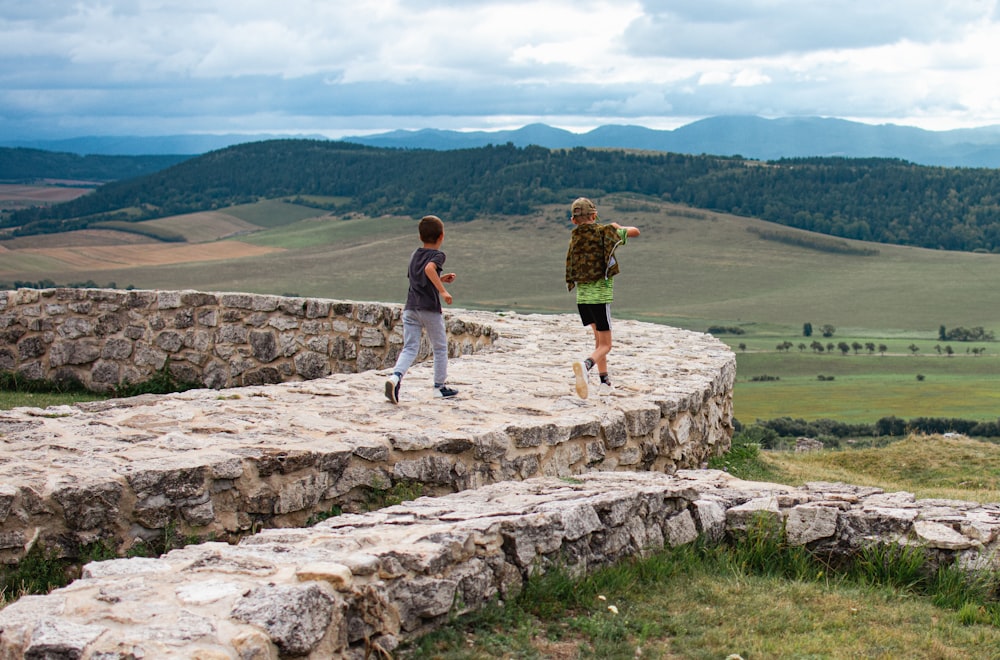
423,310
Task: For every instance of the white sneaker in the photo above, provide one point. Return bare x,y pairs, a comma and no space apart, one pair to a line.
605,389
581,378
392,388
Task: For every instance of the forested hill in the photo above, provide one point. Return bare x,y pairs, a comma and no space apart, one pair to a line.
25,165
884,200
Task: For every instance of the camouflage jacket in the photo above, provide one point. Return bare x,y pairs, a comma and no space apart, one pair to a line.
591,254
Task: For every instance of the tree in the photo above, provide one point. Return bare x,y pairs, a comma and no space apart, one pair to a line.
816,346
807,329
882,348
943,333
844,347
949,350
856,346
870,347
828,330
830,346
743,346
913,348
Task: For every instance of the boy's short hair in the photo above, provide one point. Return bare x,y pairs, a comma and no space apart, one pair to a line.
583,206
431,227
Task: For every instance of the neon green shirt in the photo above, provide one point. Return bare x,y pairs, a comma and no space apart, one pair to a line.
602,291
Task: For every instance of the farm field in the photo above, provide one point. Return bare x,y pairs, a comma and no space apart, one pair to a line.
16,196
689,268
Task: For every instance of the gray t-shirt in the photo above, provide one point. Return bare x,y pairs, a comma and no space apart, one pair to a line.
422,294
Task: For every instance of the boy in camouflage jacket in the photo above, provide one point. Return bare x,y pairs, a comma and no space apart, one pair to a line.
590,268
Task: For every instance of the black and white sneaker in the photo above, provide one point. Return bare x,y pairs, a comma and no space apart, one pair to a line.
444,392
392,388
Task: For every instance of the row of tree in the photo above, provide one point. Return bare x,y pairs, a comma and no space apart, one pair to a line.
869,347
883,200
768,432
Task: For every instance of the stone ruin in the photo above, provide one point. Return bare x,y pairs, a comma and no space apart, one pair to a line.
223,463
357,585
105,339
526,475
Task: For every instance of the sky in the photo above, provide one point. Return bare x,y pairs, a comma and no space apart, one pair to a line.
356,67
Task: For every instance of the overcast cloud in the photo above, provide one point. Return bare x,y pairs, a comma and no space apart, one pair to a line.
156,67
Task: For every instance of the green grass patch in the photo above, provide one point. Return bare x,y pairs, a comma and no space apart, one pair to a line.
142,229
864,388
16,390
759,598
272,213
344,234
928,466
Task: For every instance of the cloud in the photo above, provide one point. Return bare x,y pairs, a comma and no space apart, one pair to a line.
225,65
735,29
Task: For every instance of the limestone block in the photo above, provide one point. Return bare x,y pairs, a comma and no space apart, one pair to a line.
739,518
311,365
710,518
422,598
878,522
91,505
75,328
263,345
680,529
937,535
807,523
237,300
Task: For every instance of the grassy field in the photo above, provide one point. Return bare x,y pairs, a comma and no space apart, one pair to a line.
689,268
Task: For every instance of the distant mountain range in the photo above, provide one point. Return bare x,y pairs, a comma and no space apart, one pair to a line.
748,136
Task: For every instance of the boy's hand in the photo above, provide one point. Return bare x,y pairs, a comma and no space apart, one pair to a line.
446,297
448,278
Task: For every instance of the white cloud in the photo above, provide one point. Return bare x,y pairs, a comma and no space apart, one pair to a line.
216,65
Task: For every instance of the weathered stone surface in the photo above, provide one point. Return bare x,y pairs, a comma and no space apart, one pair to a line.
294,617
220,462
337,588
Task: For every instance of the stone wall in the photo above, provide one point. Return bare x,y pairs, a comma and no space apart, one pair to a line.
225,463
106,338
355,586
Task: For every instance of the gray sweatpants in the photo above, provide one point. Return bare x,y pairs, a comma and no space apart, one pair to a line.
415,320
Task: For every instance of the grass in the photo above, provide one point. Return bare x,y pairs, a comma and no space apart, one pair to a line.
928,466
761,598
864,387
14,399
16,391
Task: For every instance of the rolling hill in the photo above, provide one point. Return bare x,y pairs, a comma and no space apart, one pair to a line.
691,268
884,200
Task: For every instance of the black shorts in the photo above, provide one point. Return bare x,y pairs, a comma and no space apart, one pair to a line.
598,315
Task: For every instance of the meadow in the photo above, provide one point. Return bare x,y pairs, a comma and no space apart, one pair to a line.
689,268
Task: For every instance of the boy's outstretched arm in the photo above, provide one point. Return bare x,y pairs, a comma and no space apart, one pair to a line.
631,232
430,270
